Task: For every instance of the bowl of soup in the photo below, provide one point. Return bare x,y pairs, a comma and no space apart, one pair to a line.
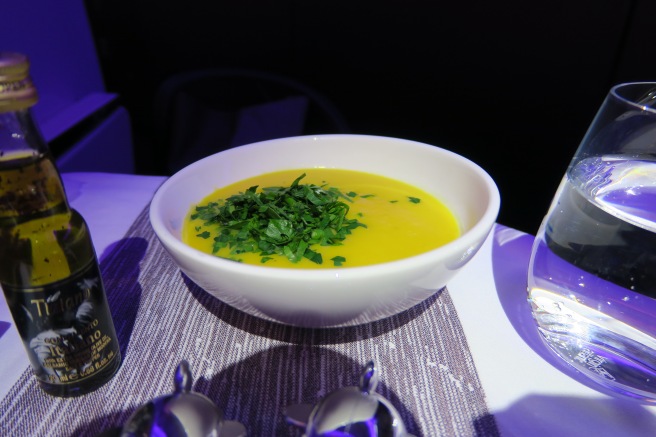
325,230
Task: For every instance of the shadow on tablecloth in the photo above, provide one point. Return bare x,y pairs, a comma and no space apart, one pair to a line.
253,368
510,279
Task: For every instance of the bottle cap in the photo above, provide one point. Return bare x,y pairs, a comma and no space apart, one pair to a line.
16,88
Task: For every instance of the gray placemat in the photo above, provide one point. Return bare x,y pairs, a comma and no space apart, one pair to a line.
250,367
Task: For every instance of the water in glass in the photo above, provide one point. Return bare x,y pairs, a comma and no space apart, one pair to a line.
592,277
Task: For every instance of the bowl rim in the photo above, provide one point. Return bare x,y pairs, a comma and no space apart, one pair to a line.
467,239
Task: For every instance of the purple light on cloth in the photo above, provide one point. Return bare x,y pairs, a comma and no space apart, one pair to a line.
511,254
4,327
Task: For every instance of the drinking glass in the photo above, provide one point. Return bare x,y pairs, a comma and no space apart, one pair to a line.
592,274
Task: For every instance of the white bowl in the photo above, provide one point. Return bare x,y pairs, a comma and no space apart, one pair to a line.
337,296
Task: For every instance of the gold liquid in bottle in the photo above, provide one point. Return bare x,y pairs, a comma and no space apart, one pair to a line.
49,272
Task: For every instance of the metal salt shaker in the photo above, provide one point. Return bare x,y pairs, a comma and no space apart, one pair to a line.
182,414
350,411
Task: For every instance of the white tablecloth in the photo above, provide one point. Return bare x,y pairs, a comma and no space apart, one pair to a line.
528,391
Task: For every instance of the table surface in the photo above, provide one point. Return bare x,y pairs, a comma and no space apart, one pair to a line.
527,389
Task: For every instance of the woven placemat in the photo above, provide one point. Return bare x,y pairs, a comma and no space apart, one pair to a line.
252,368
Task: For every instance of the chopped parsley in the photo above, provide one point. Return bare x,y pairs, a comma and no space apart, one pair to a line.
288,221
338,260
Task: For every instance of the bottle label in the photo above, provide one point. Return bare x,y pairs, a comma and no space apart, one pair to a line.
66,327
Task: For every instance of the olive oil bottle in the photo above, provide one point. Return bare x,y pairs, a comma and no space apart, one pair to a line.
49,272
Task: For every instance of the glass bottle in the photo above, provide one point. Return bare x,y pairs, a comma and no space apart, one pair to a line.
49,272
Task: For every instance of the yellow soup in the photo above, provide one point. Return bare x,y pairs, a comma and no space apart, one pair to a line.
399,220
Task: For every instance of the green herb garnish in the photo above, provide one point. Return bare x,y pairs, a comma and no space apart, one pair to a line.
338,260
414,199
287,221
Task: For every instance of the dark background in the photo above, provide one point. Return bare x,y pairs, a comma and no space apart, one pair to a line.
512,85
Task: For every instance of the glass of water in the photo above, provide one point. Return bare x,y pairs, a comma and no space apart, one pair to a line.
592,274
